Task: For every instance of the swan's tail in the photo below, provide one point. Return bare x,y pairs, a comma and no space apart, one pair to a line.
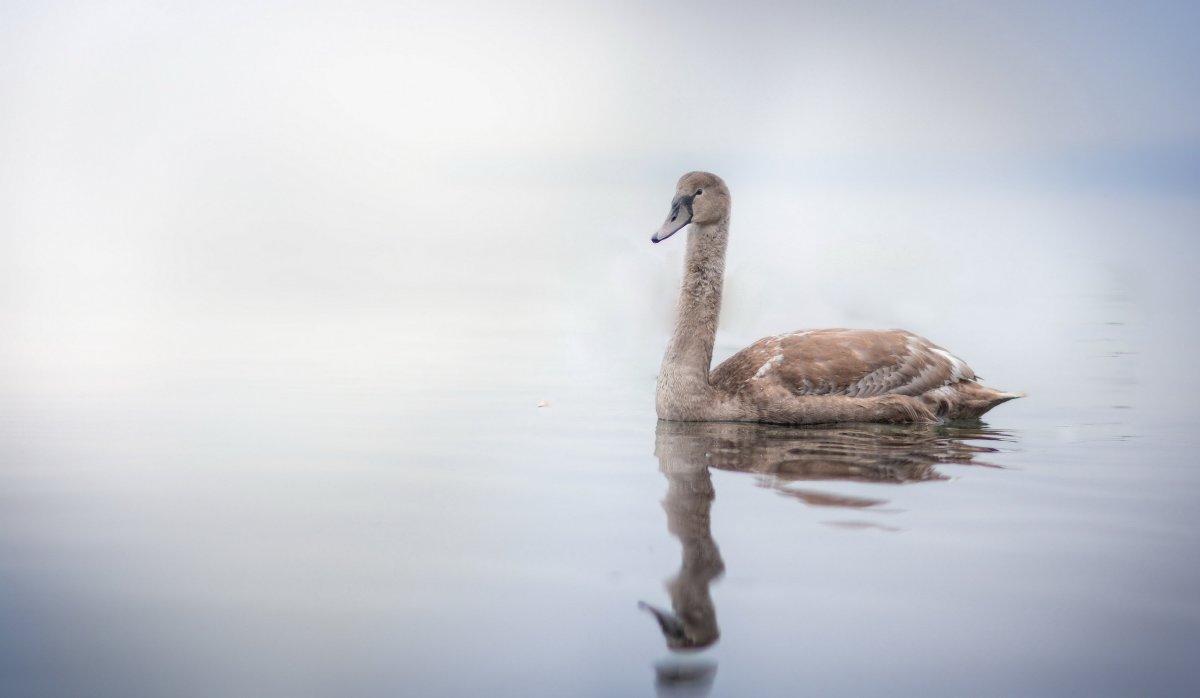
966,400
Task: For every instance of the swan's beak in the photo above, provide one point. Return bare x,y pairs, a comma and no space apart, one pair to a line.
681,215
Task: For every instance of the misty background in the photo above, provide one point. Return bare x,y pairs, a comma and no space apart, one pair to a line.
363,185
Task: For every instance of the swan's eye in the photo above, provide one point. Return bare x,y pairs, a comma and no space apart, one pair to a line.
698,192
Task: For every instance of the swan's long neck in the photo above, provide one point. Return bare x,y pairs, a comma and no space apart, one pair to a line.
683,380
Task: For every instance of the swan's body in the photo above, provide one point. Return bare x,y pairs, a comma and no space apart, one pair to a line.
804,377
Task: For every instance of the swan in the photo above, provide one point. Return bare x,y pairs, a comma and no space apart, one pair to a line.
802,377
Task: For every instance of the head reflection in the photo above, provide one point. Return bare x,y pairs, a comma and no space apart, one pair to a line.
780,457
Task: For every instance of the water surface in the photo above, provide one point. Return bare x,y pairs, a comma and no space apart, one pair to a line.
321,525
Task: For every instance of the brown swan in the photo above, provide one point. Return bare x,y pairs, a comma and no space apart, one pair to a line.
803,377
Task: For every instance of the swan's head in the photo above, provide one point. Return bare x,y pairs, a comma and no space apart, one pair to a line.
700,197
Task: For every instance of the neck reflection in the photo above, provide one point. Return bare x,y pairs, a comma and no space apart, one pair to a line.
780,457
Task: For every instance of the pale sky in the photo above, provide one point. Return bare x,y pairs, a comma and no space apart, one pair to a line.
171,167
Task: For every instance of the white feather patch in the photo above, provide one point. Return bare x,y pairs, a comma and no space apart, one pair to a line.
762,370
956,364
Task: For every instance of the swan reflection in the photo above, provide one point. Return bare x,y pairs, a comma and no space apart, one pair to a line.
779,457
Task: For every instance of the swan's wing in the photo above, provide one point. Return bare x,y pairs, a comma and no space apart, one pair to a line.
855,363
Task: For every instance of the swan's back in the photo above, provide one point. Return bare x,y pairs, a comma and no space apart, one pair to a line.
857,363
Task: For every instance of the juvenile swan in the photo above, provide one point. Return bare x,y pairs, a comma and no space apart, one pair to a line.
803,377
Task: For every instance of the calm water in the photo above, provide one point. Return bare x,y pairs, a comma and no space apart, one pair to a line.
335,525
